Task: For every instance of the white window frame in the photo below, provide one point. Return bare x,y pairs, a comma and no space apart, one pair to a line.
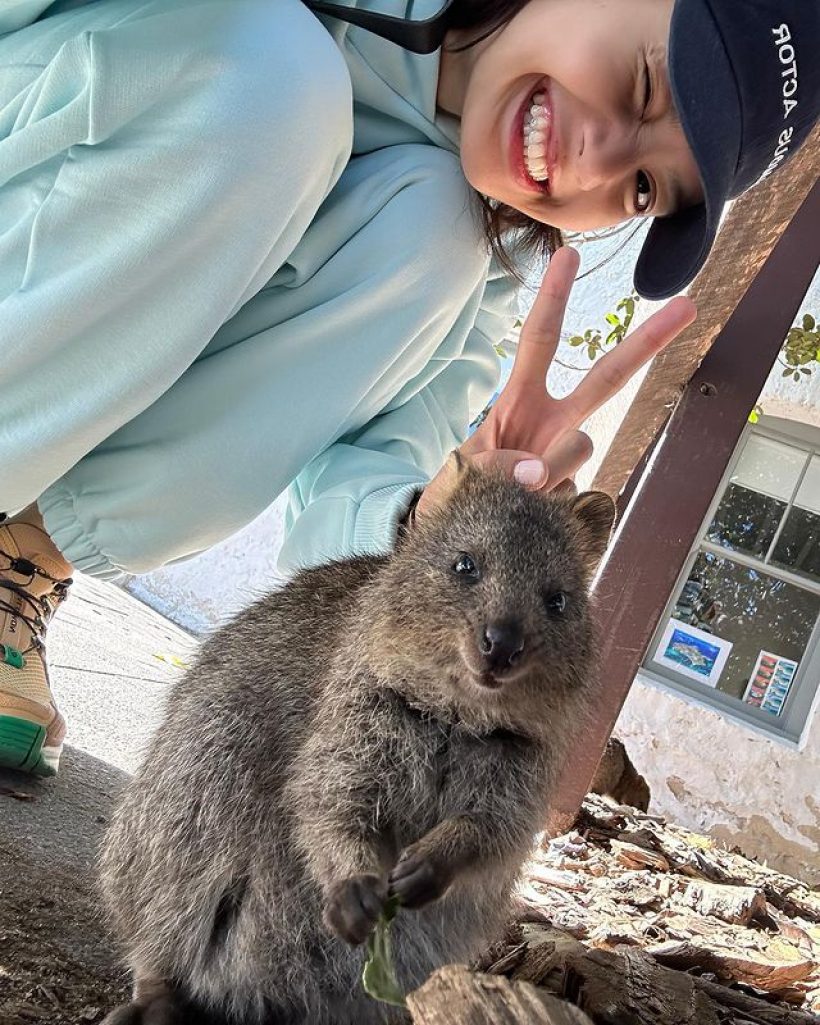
792,726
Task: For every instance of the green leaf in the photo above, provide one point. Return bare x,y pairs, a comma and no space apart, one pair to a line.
500,351
787,372
592,351
576,340
379,974
613,337
613,320
754,416
806,371
808,322
796,376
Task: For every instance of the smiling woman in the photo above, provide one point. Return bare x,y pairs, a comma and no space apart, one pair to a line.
577,90
579,114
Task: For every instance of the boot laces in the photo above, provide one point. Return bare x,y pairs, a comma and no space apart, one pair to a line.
34,612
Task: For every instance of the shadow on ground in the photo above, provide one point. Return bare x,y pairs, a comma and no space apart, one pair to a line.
57,964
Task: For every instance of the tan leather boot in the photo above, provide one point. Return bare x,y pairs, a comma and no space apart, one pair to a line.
34,580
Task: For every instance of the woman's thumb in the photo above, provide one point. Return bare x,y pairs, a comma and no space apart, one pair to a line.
525,467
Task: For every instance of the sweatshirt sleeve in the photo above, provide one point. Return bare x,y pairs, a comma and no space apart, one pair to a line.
15,14
350,498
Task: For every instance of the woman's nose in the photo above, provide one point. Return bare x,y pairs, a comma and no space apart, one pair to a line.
606,153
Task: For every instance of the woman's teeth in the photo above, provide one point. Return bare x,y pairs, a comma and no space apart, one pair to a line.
536,134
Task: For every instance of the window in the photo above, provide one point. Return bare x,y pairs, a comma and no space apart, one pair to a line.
742,629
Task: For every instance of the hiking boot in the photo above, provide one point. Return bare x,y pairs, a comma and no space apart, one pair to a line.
33,582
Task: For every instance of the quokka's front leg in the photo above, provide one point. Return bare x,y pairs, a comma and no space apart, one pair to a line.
494,816
426,869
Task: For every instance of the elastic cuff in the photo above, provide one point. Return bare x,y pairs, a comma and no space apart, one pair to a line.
56,506
377,522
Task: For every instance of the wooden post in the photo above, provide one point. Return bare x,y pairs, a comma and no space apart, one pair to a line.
671,500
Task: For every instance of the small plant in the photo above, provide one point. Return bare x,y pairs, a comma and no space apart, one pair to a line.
593,340
802,347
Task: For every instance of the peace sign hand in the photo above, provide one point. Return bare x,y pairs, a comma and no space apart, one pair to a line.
526,423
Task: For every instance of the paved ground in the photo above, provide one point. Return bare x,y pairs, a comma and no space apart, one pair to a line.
112,661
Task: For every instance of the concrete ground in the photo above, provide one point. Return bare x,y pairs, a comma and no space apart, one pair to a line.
112,661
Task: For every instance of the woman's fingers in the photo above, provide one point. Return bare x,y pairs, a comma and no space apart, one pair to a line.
614,369
542,328
525,467
566,457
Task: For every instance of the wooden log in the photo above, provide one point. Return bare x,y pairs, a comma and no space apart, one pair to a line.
776,967
626,985
632,856
456,996
737,905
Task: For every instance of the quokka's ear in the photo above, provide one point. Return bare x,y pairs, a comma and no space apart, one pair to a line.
595,511
453,473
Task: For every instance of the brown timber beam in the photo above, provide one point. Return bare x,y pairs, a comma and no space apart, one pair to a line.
672,498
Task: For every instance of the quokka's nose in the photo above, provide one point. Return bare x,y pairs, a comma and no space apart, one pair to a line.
501,644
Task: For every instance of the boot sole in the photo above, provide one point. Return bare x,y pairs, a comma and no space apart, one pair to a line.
23,747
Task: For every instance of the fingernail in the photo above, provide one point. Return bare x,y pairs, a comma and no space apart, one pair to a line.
529,471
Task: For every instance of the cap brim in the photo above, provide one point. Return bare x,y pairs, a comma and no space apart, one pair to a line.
706,99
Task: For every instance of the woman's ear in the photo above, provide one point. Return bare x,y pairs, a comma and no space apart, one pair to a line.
595,512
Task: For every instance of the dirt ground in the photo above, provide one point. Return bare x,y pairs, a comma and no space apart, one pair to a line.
57,964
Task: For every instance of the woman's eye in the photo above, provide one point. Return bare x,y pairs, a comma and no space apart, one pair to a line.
465,566
556,603
643,192
647,88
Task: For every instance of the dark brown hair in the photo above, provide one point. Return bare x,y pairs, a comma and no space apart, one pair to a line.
512,236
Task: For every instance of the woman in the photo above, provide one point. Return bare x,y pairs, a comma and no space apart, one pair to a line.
240,250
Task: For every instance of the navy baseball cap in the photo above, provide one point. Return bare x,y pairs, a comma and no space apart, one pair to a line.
745,79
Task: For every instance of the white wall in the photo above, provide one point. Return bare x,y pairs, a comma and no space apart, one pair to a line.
716,776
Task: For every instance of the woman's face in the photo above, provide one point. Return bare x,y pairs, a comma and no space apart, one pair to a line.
566,113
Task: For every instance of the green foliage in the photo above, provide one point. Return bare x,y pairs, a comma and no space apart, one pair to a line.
593,341
379,975
802,347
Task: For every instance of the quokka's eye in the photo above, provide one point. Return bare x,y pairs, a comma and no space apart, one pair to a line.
556,603
465,566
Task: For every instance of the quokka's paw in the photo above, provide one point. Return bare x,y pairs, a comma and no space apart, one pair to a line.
417,879
354,905
166,1009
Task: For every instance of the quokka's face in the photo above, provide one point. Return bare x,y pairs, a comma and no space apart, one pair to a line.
505,576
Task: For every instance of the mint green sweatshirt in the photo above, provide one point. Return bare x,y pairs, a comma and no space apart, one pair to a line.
239,255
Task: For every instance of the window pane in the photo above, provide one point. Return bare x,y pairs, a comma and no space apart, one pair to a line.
798,547
749,630
769,467
808,494
746,521
757,495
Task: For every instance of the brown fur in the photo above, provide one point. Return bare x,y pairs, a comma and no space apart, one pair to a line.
332,745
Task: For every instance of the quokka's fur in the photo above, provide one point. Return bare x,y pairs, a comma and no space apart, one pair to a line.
332,726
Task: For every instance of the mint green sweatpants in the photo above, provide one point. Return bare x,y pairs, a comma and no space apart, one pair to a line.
205,299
